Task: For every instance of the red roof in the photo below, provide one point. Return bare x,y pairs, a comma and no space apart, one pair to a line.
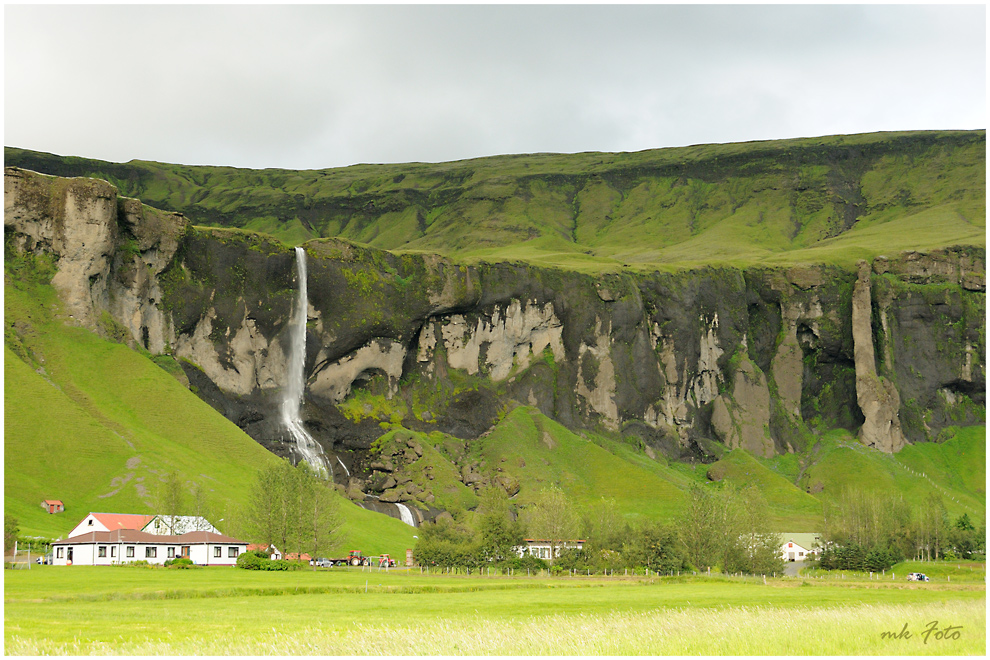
135,536
295,556
59,502
114,521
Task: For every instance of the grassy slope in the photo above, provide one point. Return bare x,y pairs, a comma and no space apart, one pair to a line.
98,430
791,508
539,452
955,470
782,202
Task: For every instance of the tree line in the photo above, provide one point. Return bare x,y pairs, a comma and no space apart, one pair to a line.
872,531
722,529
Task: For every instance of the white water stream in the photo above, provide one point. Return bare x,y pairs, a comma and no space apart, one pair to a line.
292,395
406,514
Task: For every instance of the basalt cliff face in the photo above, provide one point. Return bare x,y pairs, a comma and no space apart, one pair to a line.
681,363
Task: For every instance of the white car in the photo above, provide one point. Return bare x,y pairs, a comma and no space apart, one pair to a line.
917,577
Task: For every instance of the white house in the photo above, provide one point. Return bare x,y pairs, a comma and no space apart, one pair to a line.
171,525
121,546
540,548
799,546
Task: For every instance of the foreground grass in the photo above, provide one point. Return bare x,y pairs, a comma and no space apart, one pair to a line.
848,630
107,611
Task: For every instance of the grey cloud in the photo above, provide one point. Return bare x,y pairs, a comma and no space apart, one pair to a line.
321,86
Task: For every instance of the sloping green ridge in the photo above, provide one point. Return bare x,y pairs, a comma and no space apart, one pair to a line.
955,469
791,508
831,199
102,424
539,452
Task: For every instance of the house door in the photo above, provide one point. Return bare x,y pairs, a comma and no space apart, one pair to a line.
69,556
790,555
185,551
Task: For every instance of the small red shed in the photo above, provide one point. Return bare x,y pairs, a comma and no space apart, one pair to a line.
53,506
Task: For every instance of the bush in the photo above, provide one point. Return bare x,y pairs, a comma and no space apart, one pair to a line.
259,561
524,562
180,562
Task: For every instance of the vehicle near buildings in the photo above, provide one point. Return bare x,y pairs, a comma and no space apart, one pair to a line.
353,558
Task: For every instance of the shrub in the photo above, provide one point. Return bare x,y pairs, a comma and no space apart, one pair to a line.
180,562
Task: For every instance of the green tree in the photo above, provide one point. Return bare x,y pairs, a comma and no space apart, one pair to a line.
551,518
170,500
320,512
706,528
759,544
656,547
275,505
499,533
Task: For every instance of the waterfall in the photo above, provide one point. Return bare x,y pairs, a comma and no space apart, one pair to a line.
292,395
406,514
346,471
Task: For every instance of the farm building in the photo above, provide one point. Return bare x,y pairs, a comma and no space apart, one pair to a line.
799,546
171,525
53,506
157,524
273,552
121,546
540,548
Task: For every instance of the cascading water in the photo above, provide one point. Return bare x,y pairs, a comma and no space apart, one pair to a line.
292,395
406,514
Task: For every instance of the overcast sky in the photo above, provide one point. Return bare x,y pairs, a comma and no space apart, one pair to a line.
324,86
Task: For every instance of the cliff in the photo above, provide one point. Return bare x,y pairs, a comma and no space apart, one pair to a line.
684,363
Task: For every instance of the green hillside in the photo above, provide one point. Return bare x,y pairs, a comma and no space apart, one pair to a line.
791,508
538,452
98,425
830,199
955,469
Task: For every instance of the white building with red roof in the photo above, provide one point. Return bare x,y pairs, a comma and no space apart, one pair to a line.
123,546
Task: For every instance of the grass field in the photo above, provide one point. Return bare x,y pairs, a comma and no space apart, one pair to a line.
97,610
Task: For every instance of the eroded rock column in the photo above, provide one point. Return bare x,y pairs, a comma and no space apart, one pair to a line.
877,397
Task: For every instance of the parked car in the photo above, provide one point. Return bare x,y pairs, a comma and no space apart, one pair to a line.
322,562
46,559
917,577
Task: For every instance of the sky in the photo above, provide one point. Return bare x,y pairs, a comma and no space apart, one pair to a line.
318,86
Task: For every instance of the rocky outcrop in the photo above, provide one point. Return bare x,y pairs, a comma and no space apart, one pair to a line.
877,397
109,250
742,418
762,359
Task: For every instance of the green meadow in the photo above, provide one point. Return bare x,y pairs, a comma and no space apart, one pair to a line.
227,611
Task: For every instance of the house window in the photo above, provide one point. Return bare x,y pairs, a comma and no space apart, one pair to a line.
217,552
151,553
232,551
171,553
130,551
90,522
60,552
102,552
113,551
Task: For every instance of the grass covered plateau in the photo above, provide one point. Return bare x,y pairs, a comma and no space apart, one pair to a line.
831,199
132,611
